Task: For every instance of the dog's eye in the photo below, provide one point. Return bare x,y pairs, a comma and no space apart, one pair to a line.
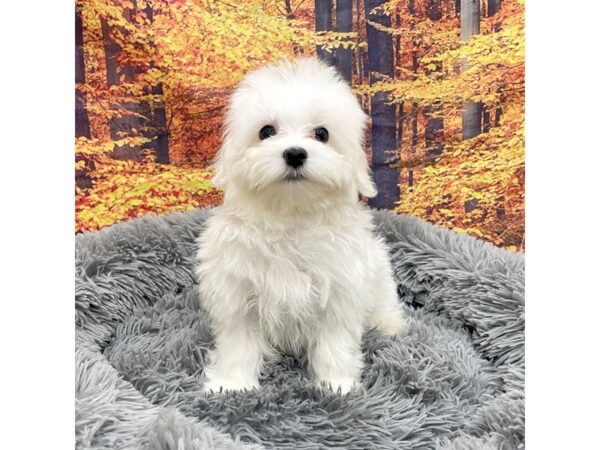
321,134
266,132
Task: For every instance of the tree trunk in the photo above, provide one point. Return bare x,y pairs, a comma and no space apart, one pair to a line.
472,114
472,111
469,26
493,7
365,54
398,75
383,115
141,118
497,117
434,122
289,11
414,106
343,23
158,130
82,122
323,22
434,132
400,126
83,180
161,143
125,125
414,141
434,9
359,60
486,119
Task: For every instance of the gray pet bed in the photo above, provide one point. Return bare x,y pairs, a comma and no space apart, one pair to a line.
455,382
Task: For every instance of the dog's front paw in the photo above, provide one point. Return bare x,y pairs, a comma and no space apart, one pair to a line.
392,323
342,384
218,384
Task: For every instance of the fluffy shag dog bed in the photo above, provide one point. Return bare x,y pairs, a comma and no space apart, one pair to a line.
455,382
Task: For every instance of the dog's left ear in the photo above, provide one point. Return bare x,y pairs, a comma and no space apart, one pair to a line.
362,176
362,172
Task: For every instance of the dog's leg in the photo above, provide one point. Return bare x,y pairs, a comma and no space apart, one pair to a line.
387,315
335,357
237,359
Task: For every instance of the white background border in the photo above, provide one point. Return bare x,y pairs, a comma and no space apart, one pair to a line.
37,220
563,251
562,225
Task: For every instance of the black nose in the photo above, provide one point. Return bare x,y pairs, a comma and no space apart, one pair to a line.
295,156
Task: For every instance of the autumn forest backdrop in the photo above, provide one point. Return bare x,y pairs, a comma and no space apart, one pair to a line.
442,81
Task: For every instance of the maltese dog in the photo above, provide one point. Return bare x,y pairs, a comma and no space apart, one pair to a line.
289,262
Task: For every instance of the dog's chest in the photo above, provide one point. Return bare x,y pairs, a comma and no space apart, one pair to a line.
291,278
292,287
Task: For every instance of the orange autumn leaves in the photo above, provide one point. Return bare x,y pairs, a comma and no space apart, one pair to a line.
476,185
198,50
125,189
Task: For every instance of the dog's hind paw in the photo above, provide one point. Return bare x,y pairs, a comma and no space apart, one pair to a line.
391,323
342,385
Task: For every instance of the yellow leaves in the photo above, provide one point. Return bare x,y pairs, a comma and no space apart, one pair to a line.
483,175
97,147
495,71
198,50
379,27
486,173
126,189
329,40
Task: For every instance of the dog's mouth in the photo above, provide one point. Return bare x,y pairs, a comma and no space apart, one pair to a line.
294,176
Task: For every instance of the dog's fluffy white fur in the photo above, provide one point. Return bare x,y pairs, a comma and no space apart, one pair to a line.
290,262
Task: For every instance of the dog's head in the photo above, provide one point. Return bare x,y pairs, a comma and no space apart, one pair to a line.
294,131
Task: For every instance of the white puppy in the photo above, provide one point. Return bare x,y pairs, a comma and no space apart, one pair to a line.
289,261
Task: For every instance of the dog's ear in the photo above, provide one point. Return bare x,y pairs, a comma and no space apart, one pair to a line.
362,176
219,165
362,173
